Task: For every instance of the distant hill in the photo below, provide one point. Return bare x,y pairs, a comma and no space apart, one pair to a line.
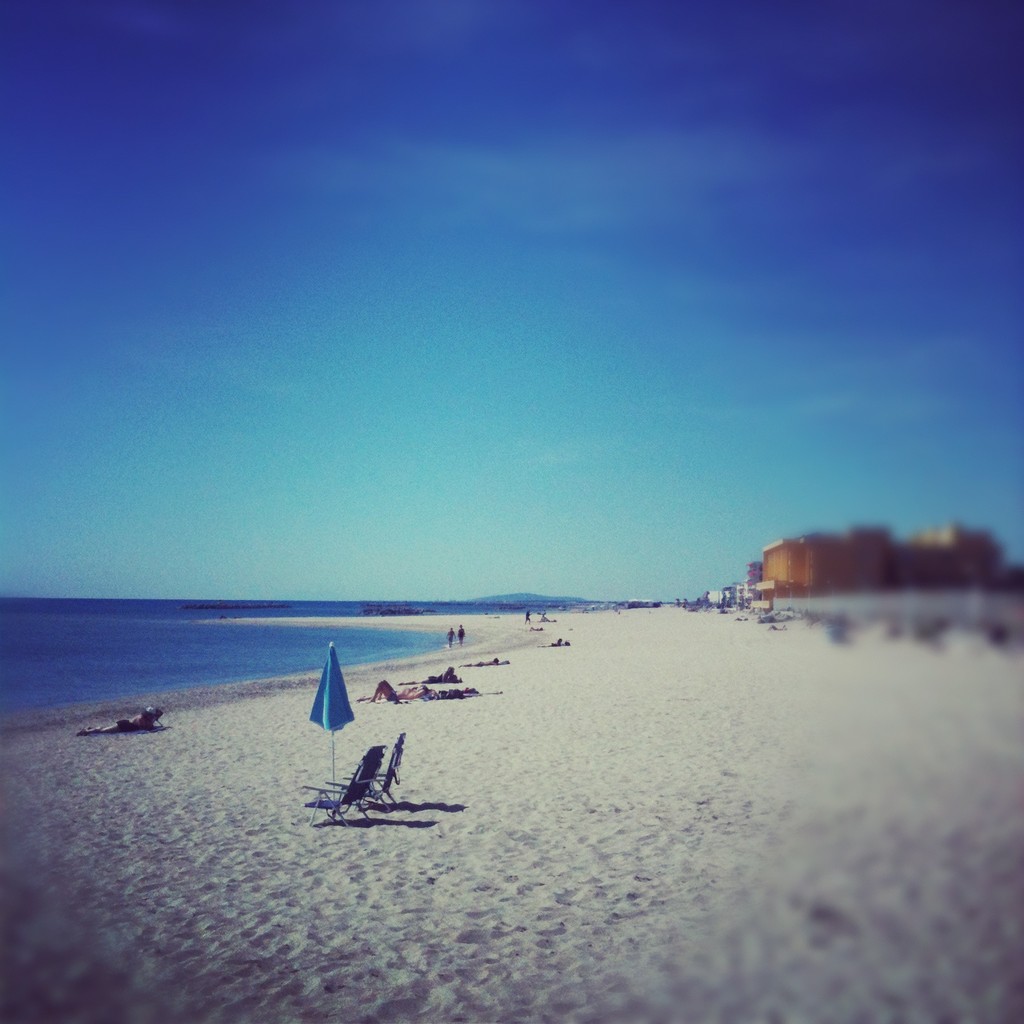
537,599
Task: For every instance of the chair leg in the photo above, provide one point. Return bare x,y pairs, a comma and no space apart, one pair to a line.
316,807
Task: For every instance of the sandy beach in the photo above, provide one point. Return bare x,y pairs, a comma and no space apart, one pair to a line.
678,817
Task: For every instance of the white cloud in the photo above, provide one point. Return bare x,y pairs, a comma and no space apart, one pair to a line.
581,185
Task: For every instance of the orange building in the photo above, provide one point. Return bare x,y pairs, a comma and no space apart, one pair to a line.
866,559
950,556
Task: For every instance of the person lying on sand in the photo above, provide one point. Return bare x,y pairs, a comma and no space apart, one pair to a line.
416,691
485,664
558,643
144,721
386,692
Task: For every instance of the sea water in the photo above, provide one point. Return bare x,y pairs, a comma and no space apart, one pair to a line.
55,652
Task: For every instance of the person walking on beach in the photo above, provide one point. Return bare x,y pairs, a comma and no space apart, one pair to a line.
527,616
462,635
451,636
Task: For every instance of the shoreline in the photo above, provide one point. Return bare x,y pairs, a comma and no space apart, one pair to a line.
484,630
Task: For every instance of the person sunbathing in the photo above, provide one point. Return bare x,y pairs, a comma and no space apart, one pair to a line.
485,664
416,691
558,643
145,721
384,692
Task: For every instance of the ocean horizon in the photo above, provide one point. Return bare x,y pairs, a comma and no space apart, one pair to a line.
60,651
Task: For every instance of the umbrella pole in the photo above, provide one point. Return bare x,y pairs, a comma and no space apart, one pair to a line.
334,775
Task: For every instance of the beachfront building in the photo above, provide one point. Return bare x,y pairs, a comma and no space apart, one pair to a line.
948,556
868,560
747,594
742,594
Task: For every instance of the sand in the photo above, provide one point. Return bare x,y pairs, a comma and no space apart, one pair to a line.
680,817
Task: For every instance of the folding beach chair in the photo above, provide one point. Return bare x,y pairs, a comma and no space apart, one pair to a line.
380,788
337,799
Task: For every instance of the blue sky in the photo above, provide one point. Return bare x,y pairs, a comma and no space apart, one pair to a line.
341,300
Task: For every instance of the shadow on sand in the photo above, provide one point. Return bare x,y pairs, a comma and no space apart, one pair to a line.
404,805
373,823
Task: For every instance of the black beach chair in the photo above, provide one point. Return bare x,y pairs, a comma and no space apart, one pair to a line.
380,788
336,799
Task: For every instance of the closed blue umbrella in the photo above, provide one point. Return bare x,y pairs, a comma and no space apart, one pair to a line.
331,707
